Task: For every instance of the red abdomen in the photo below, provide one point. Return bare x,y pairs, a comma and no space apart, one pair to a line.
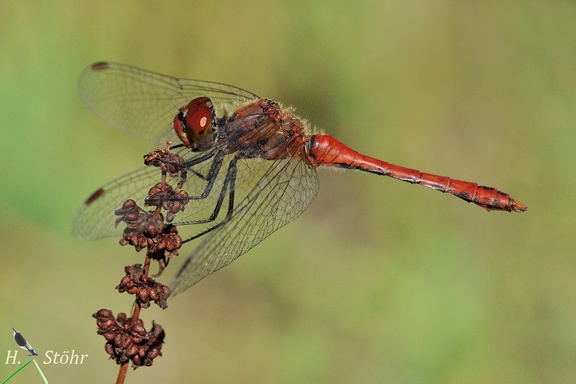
324,150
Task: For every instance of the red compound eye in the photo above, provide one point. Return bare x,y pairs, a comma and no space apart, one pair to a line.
199,115
193,124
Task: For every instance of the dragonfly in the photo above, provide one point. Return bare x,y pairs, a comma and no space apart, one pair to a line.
252,164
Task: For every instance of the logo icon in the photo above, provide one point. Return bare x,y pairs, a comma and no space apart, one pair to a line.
21,341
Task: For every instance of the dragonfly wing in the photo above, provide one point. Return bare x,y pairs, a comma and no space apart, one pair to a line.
144,103
96,217
275,194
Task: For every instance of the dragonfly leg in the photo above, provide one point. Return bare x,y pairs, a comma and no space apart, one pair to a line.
212,174
228,188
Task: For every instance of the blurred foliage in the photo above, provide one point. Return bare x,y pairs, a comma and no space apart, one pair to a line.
378,281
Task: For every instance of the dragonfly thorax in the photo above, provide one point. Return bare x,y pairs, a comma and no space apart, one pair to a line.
262,129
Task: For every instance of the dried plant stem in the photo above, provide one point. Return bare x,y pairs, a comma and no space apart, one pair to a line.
122,373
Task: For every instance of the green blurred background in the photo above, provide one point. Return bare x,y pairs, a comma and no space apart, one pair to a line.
379,281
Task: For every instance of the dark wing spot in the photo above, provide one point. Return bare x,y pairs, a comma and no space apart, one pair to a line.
94,196
100,66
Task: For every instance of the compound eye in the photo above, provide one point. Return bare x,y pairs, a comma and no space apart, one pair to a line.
199,116
193,124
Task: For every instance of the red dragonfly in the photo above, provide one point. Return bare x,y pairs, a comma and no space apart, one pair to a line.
252,163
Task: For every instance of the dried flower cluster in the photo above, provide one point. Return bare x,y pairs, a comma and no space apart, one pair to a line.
129,340
146,290
146,229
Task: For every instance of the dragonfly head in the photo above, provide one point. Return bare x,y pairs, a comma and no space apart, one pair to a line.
194,124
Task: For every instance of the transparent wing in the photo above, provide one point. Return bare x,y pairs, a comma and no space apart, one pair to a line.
95,219
144,103
277,192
